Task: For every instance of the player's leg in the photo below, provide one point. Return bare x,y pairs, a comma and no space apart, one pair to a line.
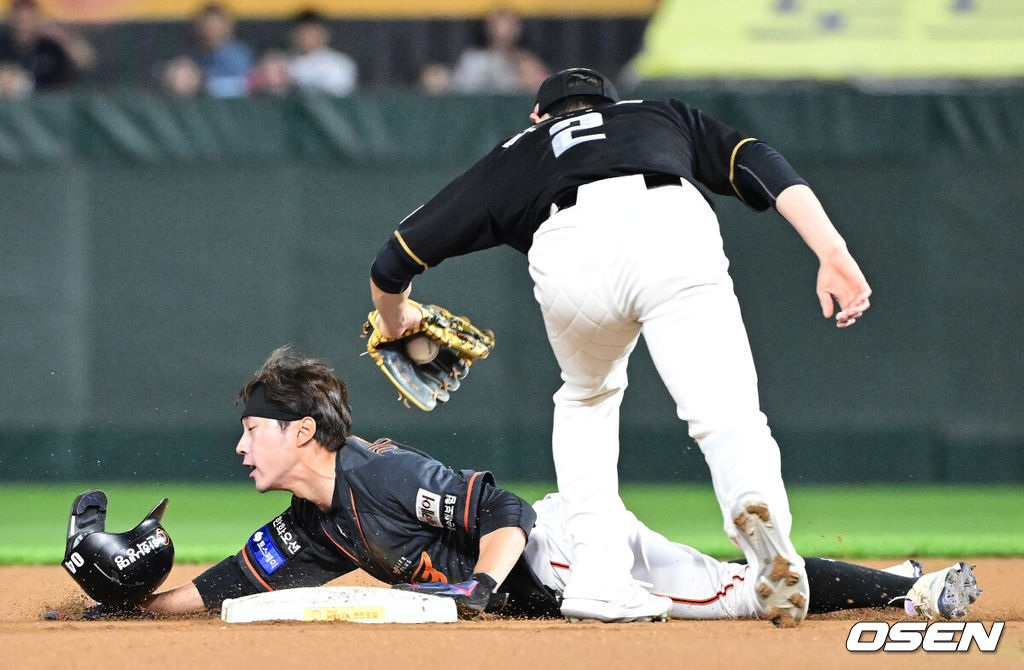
837,585
592,343
699,586
694,331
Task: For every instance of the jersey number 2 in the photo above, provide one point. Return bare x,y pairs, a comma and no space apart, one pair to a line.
564,134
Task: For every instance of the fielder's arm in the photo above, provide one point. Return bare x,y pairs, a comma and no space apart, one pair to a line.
839,276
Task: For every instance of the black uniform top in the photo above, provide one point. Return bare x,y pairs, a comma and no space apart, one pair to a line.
505,197
399,515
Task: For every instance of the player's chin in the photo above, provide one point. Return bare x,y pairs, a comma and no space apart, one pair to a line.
261,482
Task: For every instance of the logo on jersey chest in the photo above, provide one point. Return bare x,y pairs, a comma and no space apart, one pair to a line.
428,507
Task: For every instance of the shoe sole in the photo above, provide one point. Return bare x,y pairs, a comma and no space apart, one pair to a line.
781,588
959,592
970,582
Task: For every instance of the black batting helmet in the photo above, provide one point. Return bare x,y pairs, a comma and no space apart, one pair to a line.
116,568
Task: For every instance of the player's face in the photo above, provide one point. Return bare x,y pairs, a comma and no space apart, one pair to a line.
268,450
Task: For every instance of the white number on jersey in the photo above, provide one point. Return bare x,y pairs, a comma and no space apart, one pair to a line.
563,133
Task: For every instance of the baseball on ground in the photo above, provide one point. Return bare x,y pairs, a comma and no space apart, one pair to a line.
421,349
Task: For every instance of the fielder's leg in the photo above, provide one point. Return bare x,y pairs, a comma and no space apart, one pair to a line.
693,329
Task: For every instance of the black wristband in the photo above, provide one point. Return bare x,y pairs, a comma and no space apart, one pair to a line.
486,580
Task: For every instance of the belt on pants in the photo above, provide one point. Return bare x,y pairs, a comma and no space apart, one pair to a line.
655,180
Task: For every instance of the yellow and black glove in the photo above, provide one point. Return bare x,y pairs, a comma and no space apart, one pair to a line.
452,345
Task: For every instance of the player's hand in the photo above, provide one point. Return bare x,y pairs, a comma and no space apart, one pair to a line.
840,279
471,597
397,321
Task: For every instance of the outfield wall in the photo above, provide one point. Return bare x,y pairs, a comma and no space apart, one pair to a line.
154,252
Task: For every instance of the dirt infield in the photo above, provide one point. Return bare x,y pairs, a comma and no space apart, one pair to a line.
26,641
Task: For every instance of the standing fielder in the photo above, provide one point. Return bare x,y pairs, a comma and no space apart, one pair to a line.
407,520
606,199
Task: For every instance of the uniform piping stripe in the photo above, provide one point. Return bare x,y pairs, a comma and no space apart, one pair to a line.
676,599
706,601
359,525
469,500
338,545
405,246
732,166
254,573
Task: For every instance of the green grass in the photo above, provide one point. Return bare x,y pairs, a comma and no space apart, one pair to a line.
210,521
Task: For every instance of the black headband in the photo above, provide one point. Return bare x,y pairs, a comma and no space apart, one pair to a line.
259,405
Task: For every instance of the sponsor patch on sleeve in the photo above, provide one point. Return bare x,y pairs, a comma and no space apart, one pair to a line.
428,507
265,551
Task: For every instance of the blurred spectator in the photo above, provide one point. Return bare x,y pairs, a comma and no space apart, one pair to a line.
315,64
15,82
182,77
271,75
224,60
435,79
49,54
502,65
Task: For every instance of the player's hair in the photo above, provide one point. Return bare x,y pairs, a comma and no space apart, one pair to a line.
306,386
576,102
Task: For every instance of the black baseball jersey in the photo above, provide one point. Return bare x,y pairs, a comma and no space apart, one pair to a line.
505,197
398,514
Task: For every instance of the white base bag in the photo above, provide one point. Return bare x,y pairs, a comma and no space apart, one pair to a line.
359,604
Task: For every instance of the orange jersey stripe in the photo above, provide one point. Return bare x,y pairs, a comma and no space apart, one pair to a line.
469,496
352,497
254,573
338,545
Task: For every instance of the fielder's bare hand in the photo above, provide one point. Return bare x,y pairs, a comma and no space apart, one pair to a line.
395,314
840,280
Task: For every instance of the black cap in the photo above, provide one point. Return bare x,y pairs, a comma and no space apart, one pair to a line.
572,82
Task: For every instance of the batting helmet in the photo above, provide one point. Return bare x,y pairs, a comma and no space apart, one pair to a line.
116,568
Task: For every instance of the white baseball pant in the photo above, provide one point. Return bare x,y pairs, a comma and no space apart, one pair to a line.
700,586
622,261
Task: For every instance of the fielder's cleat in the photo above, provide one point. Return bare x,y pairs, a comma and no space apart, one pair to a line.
908,568
637,605
781,587
947,593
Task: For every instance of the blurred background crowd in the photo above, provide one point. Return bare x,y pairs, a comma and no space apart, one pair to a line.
214,52
243,47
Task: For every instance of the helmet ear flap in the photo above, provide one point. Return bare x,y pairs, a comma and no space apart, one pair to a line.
88,515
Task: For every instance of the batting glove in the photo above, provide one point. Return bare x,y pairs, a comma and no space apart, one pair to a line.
471,597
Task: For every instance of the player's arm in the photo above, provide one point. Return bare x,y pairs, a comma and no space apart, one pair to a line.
501,521
288,552
839,276
731,163
179,600
499,551
457,221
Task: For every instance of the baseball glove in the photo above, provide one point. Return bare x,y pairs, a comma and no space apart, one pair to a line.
425,384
